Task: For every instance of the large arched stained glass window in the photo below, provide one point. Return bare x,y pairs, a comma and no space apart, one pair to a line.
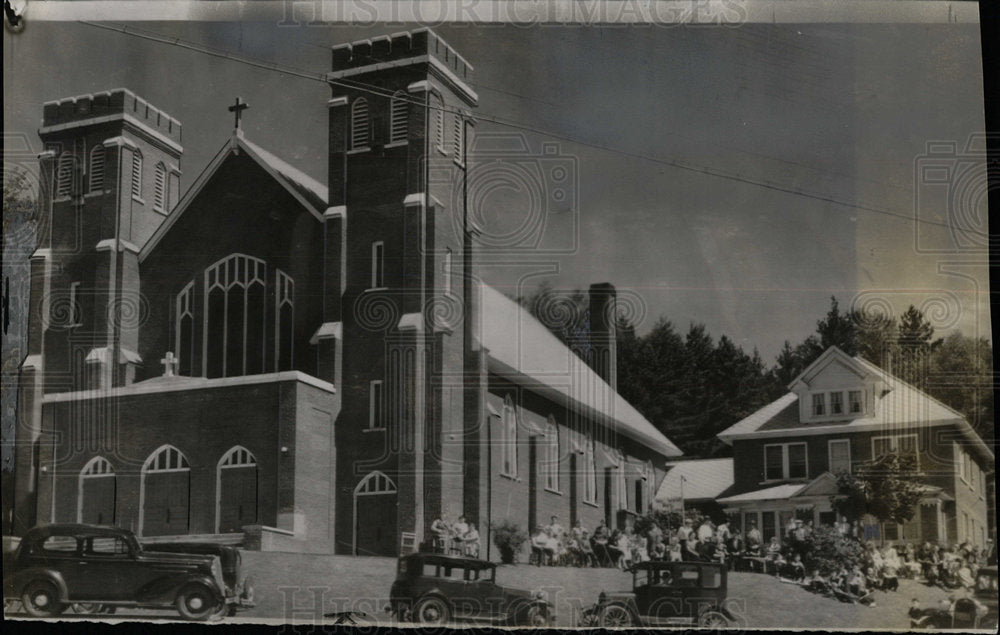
246,319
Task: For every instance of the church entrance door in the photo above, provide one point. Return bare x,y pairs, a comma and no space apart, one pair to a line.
167,503
98,504
237,499
375,516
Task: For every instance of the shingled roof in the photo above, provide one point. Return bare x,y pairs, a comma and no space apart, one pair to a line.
521,348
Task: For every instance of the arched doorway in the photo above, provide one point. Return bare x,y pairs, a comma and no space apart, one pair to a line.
236,491
96,493
165,493
375,516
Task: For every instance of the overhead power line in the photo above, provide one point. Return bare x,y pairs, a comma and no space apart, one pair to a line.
381,92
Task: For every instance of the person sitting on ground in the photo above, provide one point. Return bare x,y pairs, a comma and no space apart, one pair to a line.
796,569
818,583
779,563
577,531
773,551
540,547
872,579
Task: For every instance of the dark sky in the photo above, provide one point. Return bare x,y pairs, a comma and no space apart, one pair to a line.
840,111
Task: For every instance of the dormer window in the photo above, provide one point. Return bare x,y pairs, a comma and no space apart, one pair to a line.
819,405
854,401
836,403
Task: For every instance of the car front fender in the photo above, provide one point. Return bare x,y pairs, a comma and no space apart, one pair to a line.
21,579
164,590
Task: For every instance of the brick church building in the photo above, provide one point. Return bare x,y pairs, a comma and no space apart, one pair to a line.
316,367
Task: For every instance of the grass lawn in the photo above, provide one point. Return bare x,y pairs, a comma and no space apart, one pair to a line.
303,587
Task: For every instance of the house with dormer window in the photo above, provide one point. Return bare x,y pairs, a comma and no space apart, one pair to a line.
842,411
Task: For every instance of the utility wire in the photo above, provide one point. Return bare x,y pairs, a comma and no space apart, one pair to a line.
375,90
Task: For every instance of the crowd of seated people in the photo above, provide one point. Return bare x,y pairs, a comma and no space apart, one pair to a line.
458,538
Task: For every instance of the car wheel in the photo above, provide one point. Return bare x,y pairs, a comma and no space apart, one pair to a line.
431,610
196,602
712,619
616,615
222,610
537,617
41,599
87,608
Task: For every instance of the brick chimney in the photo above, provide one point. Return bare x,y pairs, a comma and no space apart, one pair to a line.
603,338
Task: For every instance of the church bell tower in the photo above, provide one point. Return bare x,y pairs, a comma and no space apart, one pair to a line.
397,284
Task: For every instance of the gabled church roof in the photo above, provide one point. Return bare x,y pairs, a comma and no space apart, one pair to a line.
309,192
521,348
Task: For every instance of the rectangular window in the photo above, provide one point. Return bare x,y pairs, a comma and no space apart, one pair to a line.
552,458
137,176
590,472
508,439
376,420
836,403
797,461
819,405
774,462
854,401
903,445
446,285
76,314
785,461
768,529
378,265
840,455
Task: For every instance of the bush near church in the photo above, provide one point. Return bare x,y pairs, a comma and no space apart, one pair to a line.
509,538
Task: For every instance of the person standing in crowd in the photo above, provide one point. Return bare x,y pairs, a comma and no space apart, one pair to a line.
685,530
735,549
674,549
589,557
654,536
753,540
690,552
470,541
705,531
442,534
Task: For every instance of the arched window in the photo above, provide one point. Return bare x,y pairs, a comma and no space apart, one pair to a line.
236,491
96,493
552,455
165,493
166,459
64,175
184,329
399,117
437,116
284,315
160,188
137,175
508,437
96,169
246,317
235,334
375,483
458,137
360,125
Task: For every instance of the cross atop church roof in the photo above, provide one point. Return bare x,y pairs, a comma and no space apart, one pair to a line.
237,110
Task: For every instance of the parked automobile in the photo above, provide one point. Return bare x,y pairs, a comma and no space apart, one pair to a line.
666,594
240,585
437,589
986,593
57,566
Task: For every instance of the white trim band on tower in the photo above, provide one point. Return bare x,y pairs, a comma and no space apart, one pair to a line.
336,101
339,211
109,243
326,331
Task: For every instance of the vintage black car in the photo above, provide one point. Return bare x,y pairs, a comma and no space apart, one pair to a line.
56,566
437,589
240,585
666,594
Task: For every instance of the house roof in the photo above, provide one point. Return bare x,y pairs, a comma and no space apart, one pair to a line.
521,348
696,479
309,192
899,406
775,492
